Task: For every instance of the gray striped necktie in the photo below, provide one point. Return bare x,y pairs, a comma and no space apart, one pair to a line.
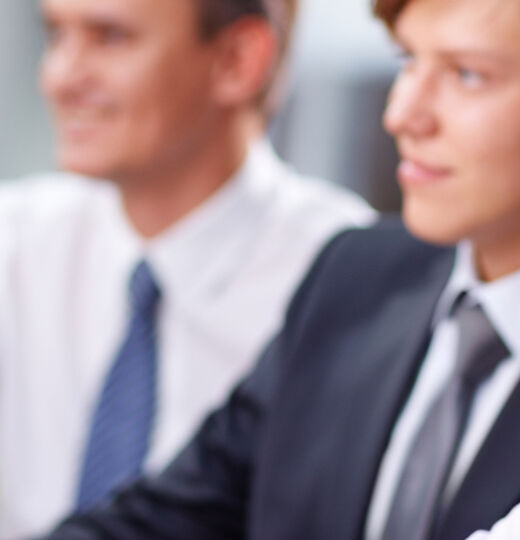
416,504
123,419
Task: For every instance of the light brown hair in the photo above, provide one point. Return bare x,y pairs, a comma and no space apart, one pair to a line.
216,15
389,10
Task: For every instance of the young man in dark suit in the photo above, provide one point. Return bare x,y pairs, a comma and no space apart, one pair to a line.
388,407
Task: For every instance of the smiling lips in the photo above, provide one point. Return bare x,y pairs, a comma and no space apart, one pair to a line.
412,172
80,122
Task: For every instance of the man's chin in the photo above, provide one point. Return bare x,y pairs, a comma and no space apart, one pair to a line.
84,166
433,231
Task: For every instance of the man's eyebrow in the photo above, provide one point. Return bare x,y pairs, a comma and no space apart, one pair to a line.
91,20
462,52
105,20
477,54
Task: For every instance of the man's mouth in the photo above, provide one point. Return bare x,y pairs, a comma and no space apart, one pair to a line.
80,122
412,172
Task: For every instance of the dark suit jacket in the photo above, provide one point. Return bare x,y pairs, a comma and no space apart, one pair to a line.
295,452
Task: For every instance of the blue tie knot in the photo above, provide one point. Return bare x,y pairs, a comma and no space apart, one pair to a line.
144,292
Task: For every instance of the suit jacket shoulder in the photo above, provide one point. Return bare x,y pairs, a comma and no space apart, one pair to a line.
360,269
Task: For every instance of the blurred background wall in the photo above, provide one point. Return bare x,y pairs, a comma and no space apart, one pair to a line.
341,70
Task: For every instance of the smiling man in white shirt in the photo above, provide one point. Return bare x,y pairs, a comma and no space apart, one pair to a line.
169,101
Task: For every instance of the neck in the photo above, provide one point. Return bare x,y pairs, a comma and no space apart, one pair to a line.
498,256
157,199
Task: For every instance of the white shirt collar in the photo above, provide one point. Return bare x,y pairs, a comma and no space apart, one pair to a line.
500,299
209,243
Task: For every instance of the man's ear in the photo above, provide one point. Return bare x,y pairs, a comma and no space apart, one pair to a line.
247,56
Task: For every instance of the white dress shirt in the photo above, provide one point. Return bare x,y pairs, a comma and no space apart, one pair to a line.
226,272
500,301
507,528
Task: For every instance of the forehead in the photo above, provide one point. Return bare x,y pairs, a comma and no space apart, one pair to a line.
152,12
460,24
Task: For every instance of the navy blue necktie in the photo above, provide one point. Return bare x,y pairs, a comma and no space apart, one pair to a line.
123,419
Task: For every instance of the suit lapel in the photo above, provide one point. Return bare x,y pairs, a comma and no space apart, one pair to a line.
492,485
388,365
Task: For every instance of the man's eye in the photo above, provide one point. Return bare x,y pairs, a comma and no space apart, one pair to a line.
53,34
113,35
402,54
405,60
470,77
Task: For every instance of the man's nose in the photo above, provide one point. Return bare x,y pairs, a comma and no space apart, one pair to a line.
64,69
410,107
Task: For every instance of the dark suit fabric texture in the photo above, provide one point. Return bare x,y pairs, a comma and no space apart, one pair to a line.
295,452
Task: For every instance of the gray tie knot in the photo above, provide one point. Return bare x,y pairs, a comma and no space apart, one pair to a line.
144,292
480,347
